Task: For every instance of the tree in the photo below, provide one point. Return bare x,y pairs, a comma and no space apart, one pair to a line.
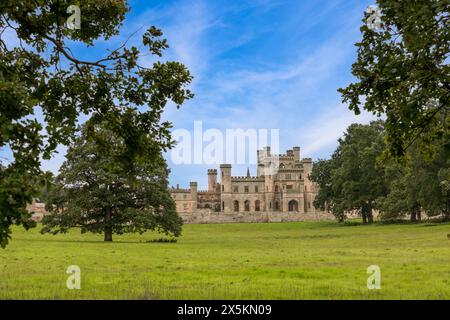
42,74
99,194
434,178
403,196
351,181
326,198
417,185
403,73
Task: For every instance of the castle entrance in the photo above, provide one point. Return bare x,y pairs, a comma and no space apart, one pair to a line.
293,205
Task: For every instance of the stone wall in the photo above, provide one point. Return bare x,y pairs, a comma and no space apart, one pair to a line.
207,216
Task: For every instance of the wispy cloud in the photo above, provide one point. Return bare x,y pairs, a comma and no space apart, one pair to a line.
256,64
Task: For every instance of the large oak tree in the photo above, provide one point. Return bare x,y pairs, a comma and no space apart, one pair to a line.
352,180
41,72
97,192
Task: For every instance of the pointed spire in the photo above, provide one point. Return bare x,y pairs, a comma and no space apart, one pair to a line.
248,172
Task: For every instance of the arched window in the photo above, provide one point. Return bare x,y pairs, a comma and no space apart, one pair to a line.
276,188
257,208
293,205
223,205
247,205
236,205
277,205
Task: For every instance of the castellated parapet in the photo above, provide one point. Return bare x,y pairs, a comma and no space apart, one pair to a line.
285,194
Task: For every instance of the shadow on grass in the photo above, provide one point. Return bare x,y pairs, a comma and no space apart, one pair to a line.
101,241
423,223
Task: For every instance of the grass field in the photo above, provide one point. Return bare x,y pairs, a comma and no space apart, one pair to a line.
314,260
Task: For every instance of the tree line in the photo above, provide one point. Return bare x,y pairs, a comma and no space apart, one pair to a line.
359,178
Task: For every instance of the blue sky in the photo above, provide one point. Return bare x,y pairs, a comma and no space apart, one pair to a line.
256,64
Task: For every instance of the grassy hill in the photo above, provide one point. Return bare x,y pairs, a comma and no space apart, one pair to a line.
314,260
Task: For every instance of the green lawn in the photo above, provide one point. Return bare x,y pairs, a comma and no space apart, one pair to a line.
314,260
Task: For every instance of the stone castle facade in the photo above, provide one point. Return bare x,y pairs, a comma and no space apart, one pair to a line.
281,188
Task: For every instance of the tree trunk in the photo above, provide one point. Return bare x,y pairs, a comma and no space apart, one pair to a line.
364,217
413,215
366,212
370,216
108,227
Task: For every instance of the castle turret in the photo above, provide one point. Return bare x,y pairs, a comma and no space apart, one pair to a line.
212,180
296,151
307,166
308,185
193,186
225,195
260,172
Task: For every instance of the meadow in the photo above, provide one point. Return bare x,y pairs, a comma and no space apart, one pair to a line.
305,260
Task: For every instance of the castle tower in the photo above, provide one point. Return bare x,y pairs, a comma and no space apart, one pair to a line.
225,190
308,185
193,186
212,180
268,180
260,172
296,151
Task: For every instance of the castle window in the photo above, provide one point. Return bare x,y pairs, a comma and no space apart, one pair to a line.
223,188
246,189
247,205
185,206
256,188
270,205
223,205
257,208
309,204
277,205
185,196
236,189
288,176
276,188
289,186
305,188
236,205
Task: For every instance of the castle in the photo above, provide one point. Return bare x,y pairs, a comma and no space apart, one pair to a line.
281,185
